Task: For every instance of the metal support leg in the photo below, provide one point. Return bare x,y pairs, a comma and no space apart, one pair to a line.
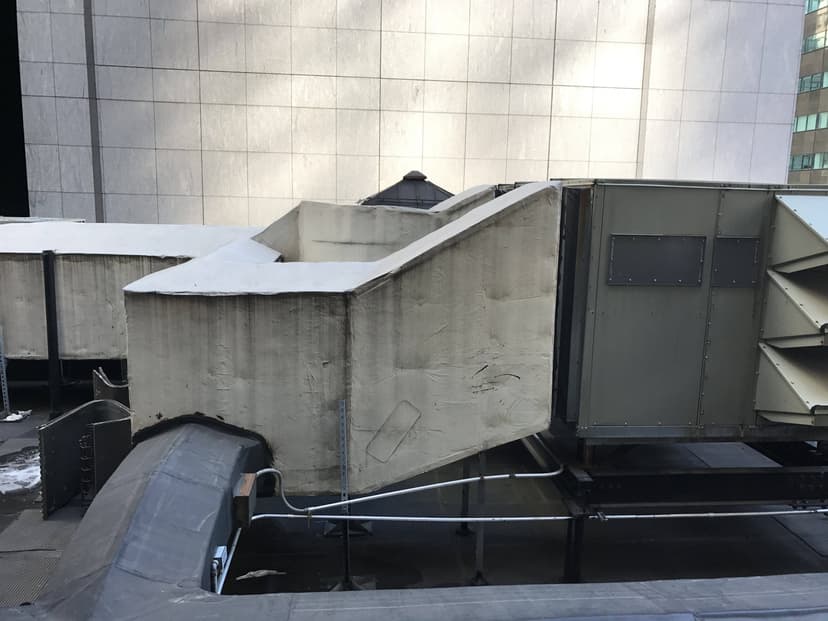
347,583
55,378
585,453
479,578
464,529
574,549
347,580
4,384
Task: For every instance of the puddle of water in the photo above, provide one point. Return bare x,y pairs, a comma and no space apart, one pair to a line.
20,474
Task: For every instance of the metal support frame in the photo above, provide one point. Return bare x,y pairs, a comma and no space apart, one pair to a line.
800,486
464,529
4,380
479,578
347,583
792,453
574,549
52,343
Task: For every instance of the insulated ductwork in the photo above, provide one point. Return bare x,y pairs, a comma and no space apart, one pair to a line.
433,329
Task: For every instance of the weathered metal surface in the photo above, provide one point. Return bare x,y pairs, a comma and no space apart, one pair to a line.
656,260
60,449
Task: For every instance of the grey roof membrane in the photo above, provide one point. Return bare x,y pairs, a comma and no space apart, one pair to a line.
143,548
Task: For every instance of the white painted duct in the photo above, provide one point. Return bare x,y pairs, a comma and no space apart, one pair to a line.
92,265
440,349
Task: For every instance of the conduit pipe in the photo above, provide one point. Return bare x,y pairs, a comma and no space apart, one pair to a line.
534,518
309,511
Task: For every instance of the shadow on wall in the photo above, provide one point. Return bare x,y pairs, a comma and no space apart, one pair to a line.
13,171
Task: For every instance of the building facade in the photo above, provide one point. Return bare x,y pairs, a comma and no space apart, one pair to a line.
809,146
230,111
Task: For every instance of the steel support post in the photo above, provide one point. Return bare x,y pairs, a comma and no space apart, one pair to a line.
479,543
4,383
464,529
52,344
574,549
347,579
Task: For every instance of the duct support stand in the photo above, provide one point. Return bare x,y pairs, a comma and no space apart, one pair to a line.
4,380
573,553
349,582
463,530
479,578
52,343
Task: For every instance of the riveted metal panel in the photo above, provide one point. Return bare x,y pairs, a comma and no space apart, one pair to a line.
643,346
735,262
656,260
728,380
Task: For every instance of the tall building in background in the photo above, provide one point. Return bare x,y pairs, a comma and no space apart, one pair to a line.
230,111
809,147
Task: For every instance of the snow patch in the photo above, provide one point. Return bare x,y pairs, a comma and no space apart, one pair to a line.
16,416
20,474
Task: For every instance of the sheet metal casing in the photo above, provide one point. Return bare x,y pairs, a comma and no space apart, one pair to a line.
649,363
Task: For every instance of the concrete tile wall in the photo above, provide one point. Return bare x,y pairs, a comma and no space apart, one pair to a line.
230,111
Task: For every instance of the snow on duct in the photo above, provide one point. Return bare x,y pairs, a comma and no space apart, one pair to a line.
440,349
93,262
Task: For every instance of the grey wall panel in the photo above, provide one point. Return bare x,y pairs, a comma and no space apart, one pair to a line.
648,342
733,318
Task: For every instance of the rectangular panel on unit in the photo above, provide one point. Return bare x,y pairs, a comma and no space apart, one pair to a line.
735,261
656,260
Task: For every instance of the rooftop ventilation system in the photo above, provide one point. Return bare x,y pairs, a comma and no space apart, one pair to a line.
793,364
413,191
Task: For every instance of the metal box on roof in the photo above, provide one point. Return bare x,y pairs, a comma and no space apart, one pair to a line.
664,300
